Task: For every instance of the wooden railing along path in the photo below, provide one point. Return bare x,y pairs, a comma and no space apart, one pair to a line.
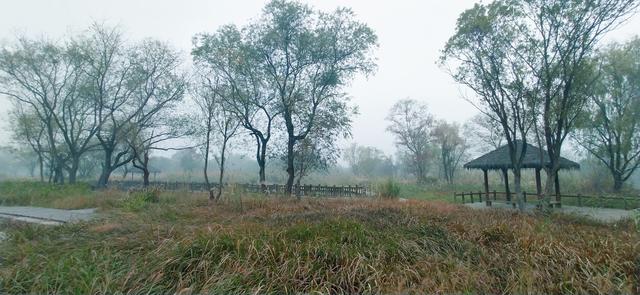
302,190
626,203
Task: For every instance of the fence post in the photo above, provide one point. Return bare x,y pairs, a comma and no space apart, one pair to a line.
471,197
462,197
579,200
455,197
495,197
601,201
480,194
524,196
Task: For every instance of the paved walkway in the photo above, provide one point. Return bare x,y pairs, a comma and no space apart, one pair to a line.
600,214
46,216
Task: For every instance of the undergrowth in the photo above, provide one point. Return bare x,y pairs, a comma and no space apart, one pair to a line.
186,244
33,193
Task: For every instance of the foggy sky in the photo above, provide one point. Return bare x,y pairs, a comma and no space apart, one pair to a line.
411,34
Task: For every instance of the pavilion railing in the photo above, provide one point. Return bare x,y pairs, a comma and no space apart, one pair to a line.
626,203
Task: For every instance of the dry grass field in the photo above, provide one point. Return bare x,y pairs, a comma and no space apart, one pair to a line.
182,243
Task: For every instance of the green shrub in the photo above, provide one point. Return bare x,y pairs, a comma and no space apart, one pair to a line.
42,194
139,199
389,190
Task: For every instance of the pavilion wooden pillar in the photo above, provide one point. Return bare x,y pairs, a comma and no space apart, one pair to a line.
505,172
486,187
538,183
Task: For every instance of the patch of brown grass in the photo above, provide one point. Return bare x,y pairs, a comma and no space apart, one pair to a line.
277,245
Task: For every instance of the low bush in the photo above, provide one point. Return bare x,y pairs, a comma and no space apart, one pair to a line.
138,199
389,190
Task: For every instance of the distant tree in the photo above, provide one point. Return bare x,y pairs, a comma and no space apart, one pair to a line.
149,138
368,161
28,130
452,146
220,122
313,155
308,57
319,151
611,128
44,78
187,160
483,134
411,124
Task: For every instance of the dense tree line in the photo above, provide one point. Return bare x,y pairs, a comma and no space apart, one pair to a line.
535,68
281,76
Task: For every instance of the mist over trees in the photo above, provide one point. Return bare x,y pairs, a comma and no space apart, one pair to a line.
610,128
97,93
530,66
97,106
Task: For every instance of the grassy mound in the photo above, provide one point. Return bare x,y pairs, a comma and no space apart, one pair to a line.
184,244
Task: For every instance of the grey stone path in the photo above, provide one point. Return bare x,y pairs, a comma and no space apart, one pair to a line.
46,216
600,214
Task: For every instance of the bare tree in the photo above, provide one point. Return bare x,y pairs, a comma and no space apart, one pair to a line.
411,124
221,124
610,130
452,147
368,161
45,77
483,133
229,53
28,129
133,85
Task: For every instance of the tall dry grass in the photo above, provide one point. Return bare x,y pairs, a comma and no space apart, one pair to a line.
258,245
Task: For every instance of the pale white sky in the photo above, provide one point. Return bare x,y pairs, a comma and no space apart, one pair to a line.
411,34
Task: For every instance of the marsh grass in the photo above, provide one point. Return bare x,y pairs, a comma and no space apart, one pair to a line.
33,193
184,243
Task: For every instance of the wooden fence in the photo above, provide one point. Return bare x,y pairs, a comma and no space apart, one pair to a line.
302,190
626,203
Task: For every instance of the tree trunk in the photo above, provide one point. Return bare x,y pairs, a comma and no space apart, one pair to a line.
261,158
106,170
517,177
262,163
290,166
617,182
73,170
58,176
41,164
222,160
206,164
145,177
549,187
126,171
145,169
104,177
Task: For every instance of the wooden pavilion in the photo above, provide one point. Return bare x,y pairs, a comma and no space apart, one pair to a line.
499,159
